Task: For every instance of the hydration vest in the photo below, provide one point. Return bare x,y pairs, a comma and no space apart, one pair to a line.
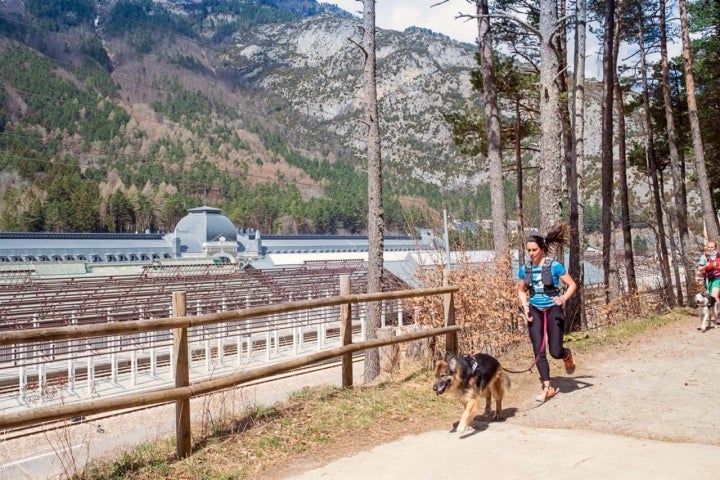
712,267
549,287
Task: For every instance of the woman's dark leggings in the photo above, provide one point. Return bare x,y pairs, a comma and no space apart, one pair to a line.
555,327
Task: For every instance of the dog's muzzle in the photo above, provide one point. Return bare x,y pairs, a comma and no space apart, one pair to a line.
440,386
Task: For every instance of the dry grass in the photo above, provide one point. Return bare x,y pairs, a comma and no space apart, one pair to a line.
261,441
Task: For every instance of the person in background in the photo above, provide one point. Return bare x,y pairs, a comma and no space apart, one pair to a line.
709,268
541,297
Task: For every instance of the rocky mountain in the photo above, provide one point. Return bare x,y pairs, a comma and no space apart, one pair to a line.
309,73
311,69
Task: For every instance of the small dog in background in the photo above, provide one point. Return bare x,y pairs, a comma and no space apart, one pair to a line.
706,303
471,377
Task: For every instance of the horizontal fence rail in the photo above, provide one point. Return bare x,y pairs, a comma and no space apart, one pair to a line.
179,334
128,327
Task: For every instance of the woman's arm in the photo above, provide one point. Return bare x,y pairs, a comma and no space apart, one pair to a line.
524,296
569,291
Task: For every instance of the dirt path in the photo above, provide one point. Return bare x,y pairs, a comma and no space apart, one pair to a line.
664,385
646,409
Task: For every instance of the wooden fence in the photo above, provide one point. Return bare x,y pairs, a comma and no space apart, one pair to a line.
179,324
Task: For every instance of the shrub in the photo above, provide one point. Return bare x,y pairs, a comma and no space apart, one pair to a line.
485,306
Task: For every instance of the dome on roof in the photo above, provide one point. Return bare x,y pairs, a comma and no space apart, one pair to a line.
204,224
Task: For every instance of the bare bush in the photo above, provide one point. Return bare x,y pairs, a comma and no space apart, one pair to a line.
599,314
485,305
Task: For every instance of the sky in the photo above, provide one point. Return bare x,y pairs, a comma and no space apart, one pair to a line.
400,14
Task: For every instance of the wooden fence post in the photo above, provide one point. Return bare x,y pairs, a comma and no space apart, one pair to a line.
182,378
346,332
449,313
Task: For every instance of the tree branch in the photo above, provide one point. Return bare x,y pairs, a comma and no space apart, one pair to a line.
505,15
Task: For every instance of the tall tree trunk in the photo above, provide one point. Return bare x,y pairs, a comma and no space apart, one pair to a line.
629,262
573,312
711,223
675,168
376,222
564,108
674,251
566,125
519,186
608,195
630,276
492,129
653,171
550,121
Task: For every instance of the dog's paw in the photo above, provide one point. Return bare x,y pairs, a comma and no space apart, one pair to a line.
497,416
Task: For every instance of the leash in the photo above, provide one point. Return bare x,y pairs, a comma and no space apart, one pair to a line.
542,345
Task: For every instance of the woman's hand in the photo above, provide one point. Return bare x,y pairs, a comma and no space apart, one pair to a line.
524,297
559,300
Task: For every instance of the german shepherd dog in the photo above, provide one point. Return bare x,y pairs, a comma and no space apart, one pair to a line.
471,377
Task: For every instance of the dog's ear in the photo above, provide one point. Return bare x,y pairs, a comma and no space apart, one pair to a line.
452,364
448,356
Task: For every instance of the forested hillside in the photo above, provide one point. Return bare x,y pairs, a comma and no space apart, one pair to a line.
119,115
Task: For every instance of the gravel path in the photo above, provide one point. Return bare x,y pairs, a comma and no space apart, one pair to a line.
646,409
664,385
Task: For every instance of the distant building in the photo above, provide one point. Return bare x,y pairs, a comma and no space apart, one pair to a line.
205,235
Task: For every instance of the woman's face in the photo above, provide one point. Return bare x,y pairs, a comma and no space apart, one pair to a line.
534,252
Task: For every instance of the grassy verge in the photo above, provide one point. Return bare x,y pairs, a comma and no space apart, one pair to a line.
323,422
